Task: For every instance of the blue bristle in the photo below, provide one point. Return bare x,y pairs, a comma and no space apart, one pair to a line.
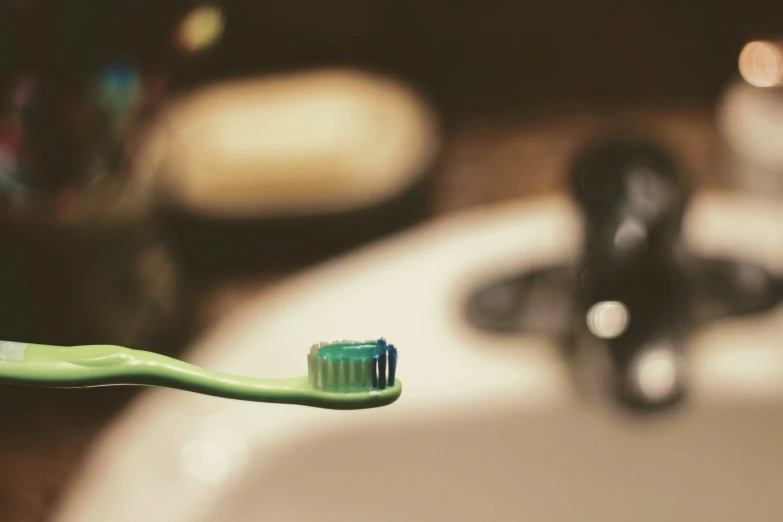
382,371
392,364
375,373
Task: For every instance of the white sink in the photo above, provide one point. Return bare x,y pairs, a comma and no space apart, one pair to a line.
487,429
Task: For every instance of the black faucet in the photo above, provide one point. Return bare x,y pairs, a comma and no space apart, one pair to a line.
633,298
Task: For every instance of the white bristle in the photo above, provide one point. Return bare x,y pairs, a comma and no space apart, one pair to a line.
322,380
369,371
356,375
311,365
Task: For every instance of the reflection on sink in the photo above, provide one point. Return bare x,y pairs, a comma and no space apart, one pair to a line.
488,427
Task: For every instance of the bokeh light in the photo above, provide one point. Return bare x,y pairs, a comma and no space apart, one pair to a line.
761,64
655,372
608,319
201,28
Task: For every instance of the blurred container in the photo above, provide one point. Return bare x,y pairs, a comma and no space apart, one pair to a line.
750,118
90,263
293,167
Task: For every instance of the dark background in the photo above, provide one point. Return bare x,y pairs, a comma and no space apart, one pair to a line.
492,64
473,58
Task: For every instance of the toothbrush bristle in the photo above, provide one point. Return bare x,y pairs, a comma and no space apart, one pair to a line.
374,365
352,366
392,364
382,371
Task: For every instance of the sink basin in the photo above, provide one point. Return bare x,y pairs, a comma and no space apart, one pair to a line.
488,428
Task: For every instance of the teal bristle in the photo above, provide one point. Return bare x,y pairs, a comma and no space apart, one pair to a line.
352,366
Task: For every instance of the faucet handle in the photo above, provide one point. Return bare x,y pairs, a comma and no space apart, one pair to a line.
725,288
537,302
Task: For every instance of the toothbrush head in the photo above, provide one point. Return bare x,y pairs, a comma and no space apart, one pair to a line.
353,366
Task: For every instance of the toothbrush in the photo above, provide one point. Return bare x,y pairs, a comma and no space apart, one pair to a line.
342,375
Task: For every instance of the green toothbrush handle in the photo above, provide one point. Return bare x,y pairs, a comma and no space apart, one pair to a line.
105,365
67,367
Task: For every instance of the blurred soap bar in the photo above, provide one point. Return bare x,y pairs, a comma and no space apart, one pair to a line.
291,145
